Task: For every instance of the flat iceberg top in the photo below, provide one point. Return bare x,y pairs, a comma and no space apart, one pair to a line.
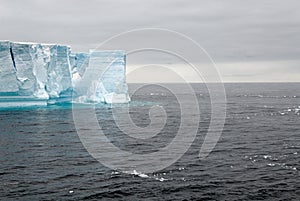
4,41
33,43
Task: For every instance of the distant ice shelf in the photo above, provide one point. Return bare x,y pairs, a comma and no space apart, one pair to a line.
38,73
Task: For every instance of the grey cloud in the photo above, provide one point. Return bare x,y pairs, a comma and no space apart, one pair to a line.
231,31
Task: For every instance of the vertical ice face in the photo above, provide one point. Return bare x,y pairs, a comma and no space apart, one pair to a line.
24,66
42,71
114,75
8,79
81,61
40,63
104,78
59,72
72,58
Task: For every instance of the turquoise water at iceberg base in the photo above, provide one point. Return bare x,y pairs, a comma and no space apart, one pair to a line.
256,158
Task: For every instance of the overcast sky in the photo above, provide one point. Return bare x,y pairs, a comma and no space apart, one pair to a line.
250,40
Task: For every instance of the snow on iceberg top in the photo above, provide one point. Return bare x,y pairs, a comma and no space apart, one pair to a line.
34,43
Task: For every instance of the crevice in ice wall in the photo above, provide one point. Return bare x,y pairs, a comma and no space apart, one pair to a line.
39,71
12,58
8,80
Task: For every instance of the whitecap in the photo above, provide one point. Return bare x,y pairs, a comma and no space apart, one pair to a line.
134,172
267,156
161,179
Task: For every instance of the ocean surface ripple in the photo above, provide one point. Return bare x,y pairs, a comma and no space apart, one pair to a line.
257,157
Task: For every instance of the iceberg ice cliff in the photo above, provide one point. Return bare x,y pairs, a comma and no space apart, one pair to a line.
8,77
104,78
52,72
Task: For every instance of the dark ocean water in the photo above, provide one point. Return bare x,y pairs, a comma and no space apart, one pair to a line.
257,157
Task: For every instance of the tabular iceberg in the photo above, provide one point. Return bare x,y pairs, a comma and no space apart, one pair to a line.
51,72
